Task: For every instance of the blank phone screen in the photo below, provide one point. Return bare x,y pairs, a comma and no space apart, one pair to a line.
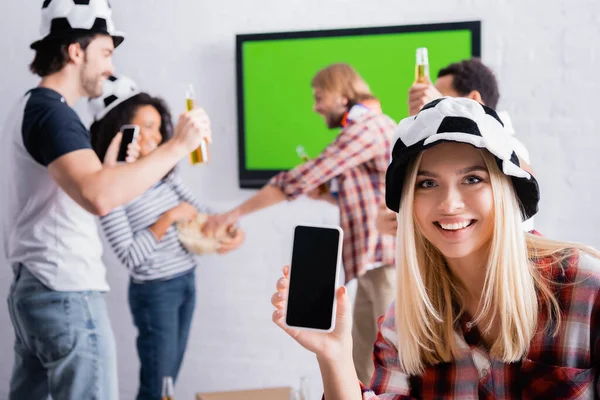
312,277
128,136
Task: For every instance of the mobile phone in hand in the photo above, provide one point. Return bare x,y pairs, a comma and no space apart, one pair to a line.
130,134
314,272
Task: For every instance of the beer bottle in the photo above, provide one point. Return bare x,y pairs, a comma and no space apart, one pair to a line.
167,389
323,188
422,66
304,388
200,155
302,153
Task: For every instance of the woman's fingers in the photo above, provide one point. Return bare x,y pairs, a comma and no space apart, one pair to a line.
278,299
283,283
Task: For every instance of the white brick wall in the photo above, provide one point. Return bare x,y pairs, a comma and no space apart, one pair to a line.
544,53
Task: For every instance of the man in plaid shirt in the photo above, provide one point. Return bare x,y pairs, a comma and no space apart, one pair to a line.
357,160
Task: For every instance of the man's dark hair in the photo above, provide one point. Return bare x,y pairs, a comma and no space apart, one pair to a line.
103,131
469,75
52,56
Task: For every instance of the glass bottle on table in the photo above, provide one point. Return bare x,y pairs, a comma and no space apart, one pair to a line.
200,155
167,389
294,395
304,388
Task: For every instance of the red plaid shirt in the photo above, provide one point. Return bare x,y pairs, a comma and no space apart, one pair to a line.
358,159
561,367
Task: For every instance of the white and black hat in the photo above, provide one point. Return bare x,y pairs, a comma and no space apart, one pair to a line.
459,120
62,19
115,90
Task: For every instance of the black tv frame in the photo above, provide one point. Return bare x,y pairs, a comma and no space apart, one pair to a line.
253,179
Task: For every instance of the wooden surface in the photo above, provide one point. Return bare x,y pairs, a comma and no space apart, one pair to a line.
282,393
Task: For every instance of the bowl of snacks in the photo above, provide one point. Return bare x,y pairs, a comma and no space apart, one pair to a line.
195,241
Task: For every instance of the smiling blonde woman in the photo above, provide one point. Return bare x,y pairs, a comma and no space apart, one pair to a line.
483,309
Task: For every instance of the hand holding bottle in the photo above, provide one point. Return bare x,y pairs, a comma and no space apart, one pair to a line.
420,94
192,128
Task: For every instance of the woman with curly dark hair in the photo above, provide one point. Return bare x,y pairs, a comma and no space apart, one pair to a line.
144,237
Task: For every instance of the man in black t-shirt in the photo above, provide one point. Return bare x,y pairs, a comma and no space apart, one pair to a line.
54,185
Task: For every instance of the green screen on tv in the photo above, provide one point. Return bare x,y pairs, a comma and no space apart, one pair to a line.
275,99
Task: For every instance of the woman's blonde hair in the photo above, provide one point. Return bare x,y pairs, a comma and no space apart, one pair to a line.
429,297
344,80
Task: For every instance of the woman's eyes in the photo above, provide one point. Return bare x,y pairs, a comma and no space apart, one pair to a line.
429,183
473,179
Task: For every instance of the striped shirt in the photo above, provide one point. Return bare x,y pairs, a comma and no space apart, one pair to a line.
358,159
127,229
566,366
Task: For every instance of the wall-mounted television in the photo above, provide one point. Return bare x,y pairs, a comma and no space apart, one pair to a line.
274,71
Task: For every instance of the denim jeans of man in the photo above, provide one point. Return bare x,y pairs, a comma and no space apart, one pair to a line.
64,344
162,312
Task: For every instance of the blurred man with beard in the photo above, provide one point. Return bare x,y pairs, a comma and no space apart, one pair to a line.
53,184
355,162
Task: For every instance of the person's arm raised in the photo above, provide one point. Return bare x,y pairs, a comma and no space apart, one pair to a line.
99,189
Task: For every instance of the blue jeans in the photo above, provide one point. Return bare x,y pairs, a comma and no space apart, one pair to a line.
64,344
162,312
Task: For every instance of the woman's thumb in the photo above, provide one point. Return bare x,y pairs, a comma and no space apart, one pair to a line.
343,302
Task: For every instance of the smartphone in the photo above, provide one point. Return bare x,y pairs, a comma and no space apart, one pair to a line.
314,272
130,133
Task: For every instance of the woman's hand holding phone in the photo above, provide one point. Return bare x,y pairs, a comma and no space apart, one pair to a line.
120,147
332,346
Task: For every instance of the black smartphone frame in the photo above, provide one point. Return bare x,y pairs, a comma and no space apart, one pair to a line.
130,133
314,274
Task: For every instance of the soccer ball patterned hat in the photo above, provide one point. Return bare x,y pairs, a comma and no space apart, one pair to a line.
115,90
62,19
459,120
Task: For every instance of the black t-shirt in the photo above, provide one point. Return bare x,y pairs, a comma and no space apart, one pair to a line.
51,128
